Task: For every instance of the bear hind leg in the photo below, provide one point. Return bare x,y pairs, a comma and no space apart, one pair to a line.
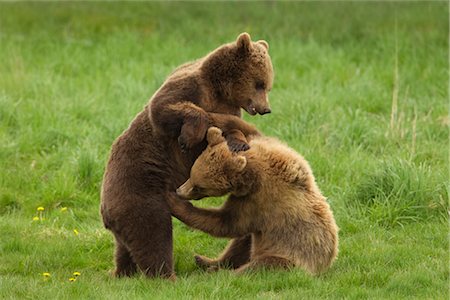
236,254
125,266
266,262
150,243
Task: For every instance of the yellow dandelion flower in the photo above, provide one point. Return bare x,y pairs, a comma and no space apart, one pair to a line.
76,232
35,218
76,274
40,208
63,209
71,279
46,274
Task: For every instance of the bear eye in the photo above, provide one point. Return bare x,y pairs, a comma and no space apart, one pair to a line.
260,85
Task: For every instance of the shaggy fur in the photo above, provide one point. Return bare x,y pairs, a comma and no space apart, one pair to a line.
147,162
275,212
234,76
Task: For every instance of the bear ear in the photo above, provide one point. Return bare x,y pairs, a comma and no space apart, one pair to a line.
239,163
264,44
214,136
244,41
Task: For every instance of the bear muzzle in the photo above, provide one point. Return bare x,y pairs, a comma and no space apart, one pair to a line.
185,191
253,109
265,111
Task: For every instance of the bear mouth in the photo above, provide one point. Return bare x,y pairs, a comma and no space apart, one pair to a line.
250,109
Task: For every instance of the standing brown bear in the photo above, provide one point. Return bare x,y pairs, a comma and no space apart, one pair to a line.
273,198
155,154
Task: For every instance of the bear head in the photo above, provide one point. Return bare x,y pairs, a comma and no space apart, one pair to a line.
214,170
241,74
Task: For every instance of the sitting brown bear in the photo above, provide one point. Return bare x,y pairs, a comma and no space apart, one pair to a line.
147,162
275,211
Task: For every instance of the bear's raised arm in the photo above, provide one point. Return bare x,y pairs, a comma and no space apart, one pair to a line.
219,222
235,130
184,121
188,123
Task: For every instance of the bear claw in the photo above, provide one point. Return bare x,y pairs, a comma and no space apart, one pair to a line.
183,148
183,145
236,147
199,261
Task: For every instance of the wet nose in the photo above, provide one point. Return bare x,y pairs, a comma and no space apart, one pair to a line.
266,111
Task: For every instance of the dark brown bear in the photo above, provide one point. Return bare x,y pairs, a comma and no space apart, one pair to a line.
155,154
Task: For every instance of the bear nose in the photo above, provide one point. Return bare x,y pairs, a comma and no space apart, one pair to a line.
266,111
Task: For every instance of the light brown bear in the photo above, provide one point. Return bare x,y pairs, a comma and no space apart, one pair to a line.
275,212
147,162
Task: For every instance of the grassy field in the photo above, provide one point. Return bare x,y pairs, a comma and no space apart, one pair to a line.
361,90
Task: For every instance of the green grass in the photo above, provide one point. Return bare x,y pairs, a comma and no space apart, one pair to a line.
361,90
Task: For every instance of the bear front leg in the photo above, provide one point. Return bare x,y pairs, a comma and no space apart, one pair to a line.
235,130
183,120
216,222
193,131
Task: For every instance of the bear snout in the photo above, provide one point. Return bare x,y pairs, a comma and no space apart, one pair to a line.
185,190
265,111
258,105
253,109
182,194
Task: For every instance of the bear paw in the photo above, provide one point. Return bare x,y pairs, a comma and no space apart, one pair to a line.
199,261
206,264
188,142
237,145
184,145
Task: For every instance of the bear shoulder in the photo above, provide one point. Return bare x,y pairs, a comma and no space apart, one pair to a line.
283,162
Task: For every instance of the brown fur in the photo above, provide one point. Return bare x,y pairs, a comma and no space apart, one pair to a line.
234,76
147,162
273,197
